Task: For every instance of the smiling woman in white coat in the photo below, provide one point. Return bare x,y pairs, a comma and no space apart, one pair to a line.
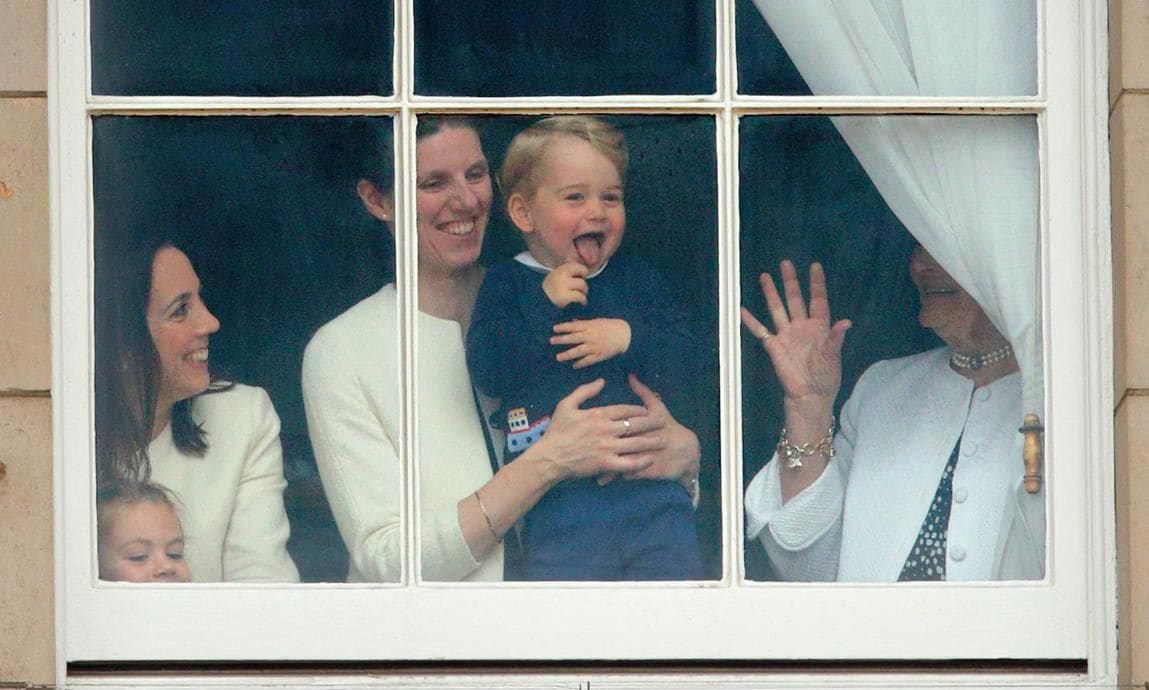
160,416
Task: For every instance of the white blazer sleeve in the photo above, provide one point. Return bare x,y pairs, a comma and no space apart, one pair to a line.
803,538
255,546
358,460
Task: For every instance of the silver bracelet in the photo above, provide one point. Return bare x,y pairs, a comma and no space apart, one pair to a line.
487,517
794,453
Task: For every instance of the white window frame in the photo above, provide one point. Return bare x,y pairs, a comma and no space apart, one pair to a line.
1069,616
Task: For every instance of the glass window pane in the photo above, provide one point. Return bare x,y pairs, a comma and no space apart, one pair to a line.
911,48
658,293
579,48
267,213
763,65
938,369
221,48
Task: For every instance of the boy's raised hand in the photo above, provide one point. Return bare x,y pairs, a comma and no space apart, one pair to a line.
592,341
566,284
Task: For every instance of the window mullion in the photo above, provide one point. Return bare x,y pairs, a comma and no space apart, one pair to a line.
725,59
729,359
729,367
404,52
406,278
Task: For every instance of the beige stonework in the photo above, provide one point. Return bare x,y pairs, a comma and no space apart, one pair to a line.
1114,51
25,338
26,637
1131,232
1132,444
1129,165
1132,28
1117,202
23,45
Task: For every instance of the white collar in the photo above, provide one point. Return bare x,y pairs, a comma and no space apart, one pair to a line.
532,263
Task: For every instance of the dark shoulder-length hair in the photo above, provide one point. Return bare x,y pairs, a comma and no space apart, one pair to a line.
127,376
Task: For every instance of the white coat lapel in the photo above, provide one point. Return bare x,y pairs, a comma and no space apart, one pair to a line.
914,417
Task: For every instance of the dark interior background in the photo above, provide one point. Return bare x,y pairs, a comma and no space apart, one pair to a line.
564,47
265,206
238,48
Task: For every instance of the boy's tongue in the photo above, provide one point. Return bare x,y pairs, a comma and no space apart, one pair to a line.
589,248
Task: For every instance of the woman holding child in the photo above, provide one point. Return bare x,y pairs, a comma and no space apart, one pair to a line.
468,501
161,417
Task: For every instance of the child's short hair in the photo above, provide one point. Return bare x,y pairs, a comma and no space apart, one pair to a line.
527,148
125,492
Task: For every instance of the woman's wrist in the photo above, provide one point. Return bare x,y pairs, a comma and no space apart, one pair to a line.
495,533
544,469
693,454
794,454
806,420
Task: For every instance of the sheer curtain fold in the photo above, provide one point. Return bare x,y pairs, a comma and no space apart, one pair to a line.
965,187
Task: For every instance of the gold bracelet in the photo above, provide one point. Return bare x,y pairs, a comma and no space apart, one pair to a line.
487,517
794,453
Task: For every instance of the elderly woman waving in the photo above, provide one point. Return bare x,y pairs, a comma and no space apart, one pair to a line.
920,479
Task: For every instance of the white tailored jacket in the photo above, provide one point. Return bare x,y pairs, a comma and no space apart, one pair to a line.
858,521
230,501
352,394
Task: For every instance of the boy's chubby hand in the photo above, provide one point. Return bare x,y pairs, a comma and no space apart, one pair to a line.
592,341
566,284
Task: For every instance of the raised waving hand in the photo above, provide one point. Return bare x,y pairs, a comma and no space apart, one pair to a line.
806,351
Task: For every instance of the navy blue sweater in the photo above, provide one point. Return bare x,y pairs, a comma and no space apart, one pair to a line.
510,356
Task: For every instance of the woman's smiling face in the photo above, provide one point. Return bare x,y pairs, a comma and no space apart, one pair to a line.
453,199
947,309
180,325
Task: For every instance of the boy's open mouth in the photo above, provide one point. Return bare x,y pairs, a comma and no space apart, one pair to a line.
930,291
589,248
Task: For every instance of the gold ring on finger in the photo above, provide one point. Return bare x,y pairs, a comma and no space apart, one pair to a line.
766,335
625,427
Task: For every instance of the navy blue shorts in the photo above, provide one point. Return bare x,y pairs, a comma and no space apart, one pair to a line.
626,530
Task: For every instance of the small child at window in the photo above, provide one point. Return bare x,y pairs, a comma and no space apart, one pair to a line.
140,536
557,317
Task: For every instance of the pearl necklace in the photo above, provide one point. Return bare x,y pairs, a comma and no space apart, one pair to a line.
984,359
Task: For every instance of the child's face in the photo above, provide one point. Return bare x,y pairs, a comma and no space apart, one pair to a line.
144,543
577,211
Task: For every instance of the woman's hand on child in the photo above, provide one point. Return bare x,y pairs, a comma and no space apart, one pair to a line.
591,340
676,453
594,441
566,284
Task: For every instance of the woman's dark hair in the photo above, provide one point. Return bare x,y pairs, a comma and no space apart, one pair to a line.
376,151
428,126
128,367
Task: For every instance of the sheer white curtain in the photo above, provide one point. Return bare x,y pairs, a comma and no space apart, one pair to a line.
966,187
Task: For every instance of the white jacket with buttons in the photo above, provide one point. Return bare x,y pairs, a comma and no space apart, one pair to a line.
858,521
